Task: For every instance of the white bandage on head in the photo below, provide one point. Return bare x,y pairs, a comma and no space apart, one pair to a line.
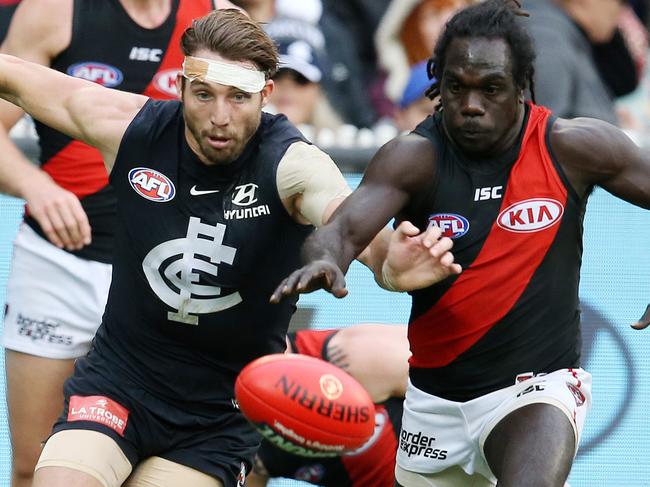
224,73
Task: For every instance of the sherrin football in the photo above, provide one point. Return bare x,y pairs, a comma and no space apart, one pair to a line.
305,405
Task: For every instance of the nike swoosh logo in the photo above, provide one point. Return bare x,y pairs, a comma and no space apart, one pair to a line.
199,192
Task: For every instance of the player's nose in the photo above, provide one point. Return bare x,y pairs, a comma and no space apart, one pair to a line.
220,114
472,105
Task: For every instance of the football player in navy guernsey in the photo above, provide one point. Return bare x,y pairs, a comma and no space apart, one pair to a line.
377,356
495,378
61,257
215,199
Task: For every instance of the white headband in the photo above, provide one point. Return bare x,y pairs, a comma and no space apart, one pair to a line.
224,73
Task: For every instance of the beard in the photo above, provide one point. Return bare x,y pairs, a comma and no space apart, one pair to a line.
236,137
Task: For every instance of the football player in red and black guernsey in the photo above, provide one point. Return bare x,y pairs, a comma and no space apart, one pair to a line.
214,200
496,392
62,255
377,356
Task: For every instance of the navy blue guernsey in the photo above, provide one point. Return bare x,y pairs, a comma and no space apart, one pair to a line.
516,223
139,60
198,251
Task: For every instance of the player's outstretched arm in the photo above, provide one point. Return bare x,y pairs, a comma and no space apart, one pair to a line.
597,153
80,109
397,170
39,31
593,152
256,478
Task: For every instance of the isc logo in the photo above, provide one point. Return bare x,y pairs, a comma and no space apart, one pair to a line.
145,54
452,225
151,184
165,82
531,215
490,193
100,73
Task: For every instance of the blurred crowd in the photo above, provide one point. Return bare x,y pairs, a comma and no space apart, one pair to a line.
353,74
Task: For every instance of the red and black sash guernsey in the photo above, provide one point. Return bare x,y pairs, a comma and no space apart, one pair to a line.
372,466
517,227
109,48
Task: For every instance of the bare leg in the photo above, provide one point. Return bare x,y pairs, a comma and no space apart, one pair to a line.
160,472
256,480
532,447
63,477
35,400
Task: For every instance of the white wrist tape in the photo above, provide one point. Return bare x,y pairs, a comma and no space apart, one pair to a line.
388,284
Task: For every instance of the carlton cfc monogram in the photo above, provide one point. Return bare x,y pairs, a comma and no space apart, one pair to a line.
181,272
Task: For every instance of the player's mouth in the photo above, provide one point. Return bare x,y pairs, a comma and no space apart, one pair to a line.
471,134
218,142
471,131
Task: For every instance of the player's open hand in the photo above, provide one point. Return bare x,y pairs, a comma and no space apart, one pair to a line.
59,214
418,259
320,274
643,322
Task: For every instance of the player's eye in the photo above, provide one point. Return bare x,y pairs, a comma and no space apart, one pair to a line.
240,97
454,87
203,96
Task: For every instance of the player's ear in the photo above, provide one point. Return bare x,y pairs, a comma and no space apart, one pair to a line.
180,84
266,91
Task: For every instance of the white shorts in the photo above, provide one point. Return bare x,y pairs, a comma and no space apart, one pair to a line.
55,300
438,434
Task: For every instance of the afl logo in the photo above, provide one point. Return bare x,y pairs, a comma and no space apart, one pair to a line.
452,225
99,73
531,215
331,386
165,82
151,184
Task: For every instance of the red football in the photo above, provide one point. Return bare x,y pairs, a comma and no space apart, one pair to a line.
305,405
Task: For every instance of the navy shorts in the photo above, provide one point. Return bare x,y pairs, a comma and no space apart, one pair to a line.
219,443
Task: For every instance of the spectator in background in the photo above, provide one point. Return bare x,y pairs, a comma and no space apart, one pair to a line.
360,19
297,91
265,11
567,79
259,10
621,61
7,8
343,80
414,106
406,35
641,10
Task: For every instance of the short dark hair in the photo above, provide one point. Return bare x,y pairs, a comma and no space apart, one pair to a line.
233,35
492,19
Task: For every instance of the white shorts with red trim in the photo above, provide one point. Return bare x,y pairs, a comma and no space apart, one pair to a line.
438,434
55,300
